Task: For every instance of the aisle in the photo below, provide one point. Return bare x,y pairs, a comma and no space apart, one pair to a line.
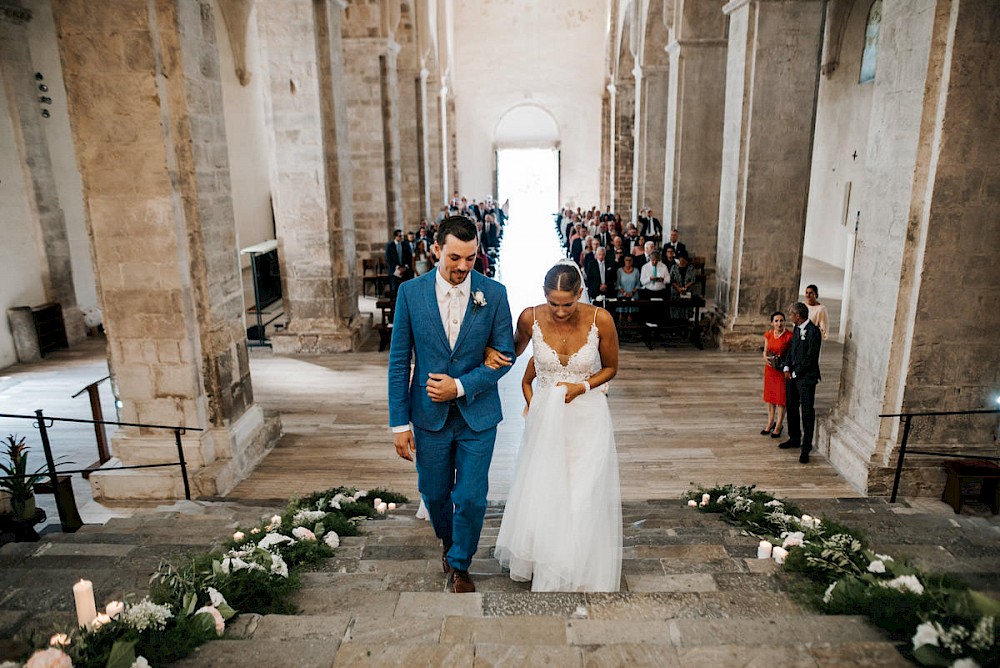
529,248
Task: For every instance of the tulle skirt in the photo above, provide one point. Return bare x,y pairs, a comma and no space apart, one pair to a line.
562,525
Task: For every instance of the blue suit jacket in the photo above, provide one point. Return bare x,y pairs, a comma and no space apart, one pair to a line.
418,335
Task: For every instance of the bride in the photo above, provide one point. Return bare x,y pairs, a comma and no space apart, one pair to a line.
562,526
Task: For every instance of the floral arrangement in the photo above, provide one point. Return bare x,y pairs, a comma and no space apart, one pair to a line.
256,571
942,621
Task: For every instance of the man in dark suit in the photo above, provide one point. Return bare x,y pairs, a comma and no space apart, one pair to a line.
675,244
801,368
399,259
603,236
650,227
601,275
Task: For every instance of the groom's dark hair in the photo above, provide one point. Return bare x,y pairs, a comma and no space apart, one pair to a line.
459,227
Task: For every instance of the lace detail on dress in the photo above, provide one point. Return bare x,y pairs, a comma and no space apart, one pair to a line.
580,366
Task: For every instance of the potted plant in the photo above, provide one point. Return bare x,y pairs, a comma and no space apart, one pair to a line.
20,488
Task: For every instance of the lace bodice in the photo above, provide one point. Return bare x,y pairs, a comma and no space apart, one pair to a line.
580,366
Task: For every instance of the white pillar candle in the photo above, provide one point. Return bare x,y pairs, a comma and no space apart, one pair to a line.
693,503
381,508
779,554
377,502
86,607
764,549
114,608
392,506
705,498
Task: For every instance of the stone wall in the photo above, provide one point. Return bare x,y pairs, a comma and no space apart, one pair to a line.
624,148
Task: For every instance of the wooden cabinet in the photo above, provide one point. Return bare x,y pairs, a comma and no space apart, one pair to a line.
49,327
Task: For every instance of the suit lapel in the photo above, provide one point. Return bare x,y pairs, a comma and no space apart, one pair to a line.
434,313
470,310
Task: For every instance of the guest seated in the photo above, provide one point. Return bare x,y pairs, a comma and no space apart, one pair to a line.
653,277
682,277
601,276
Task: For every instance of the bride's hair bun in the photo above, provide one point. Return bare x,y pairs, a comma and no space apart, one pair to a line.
565,276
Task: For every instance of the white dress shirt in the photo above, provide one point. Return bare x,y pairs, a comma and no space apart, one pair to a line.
649,270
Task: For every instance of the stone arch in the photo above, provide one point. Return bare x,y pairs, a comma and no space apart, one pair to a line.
526,126
870,53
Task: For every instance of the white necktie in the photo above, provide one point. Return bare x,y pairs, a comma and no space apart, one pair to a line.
454,314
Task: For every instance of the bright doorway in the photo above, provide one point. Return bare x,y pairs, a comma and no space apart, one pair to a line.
529,178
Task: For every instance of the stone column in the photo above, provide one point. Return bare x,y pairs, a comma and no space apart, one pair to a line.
373,116
424,147
695,104
652,139
17,76
145,99
771,83
638,136
310,175
612,140
624,150
922,328
446,182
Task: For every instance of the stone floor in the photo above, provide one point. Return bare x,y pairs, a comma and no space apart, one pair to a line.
692,592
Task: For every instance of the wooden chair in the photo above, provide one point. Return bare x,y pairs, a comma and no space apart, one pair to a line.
374,272
698,262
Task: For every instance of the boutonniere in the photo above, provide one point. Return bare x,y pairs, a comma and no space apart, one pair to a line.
478,298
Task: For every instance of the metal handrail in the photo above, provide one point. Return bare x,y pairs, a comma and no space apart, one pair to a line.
43,422
907,421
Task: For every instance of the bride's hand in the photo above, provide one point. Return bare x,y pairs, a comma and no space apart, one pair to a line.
573,390
494,359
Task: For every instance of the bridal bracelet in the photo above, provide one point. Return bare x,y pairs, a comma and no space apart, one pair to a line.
586,384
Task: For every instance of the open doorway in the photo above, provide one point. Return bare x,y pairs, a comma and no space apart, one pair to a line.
529,179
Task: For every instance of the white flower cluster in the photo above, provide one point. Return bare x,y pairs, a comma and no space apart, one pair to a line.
742,505
793,539
272,539
304,517
774,503
904,583
956,639
303,533
257,559
140,662
145,615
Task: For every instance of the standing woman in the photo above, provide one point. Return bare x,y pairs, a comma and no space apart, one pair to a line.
776,343
628,286
817,312
422,260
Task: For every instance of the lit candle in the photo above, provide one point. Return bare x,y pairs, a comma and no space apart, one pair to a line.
392,506
86,607
377,502
779,554
114,608
705,499
59,640
764,549
693,503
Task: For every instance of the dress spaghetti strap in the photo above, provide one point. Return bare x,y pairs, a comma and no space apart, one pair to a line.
595,316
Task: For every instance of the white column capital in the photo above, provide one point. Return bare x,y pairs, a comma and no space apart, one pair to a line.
612,89
424,73
733,5
443,91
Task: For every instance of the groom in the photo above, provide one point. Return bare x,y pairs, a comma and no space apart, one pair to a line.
448,412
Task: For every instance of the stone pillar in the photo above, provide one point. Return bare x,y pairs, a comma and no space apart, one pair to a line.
423,147
17,76
638,136
652,139
922,327
310,175
446,182
624,150
438,194
612,120
695,104
771,83
371,86
145,99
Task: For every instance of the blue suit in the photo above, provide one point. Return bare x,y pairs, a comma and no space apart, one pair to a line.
454,439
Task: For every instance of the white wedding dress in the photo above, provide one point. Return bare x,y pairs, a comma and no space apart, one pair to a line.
562,525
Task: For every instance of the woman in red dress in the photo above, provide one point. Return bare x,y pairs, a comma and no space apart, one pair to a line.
776,343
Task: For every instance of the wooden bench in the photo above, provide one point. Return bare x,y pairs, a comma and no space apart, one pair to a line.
978,480
386,305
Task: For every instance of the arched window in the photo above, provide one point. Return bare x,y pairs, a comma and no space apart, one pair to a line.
870,54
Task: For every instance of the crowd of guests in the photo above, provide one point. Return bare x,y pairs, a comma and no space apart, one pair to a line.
627,261
412,253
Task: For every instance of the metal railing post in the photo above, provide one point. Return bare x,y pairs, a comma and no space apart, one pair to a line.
69,517
902,455
180,459
102,436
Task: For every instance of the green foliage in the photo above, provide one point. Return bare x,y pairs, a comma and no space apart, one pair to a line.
837,573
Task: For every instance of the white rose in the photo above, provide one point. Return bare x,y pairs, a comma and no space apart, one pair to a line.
876,567
303,533
140,662
49,658
332,539
217,599
239,536
220,623
927,634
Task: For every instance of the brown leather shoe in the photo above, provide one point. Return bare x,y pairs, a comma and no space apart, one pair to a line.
462,582
445,566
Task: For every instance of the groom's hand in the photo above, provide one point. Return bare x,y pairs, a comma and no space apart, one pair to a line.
405,445
441,387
